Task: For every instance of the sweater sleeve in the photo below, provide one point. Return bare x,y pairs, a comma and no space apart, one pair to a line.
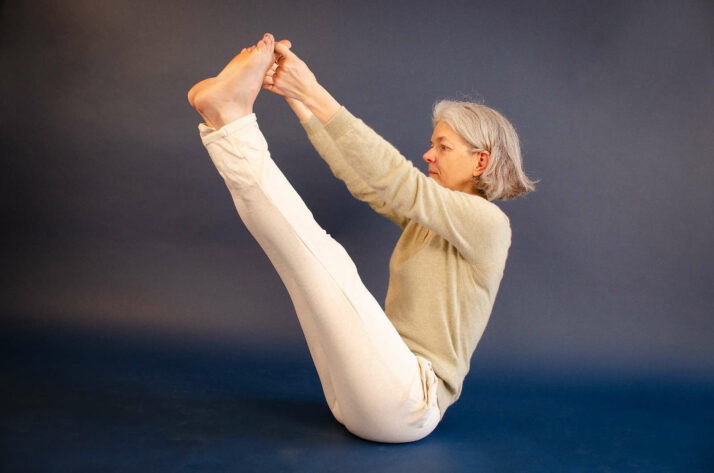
476,227
359,189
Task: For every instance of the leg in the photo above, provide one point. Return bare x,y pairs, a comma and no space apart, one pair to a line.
372,381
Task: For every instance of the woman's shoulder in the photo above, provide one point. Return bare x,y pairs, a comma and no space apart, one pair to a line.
491,226
478,209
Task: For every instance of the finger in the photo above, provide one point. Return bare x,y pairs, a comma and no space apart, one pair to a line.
272,88
283,49
284,42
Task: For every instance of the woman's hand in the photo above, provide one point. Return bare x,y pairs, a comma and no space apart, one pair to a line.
291,78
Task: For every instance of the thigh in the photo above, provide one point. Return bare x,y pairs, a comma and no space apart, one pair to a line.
376,381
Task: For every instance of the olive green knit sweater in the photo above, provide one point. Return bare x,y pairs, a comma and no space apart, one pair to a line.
447,265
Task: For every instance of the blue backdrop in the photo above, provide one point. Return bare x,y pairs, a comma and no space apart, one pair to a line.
117,225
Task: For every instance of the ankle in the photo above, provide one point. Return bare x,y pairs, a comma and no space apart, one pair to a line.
216,116
229,115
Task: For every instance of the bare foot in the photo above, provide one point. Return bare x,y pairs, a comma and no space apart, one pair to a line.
231,94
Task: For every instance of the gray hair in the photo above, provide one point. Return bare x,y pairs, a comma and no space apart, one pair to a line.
487,130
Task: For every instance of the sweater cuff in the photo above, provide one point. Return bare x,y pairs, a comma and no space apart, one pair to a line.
341,124
312,125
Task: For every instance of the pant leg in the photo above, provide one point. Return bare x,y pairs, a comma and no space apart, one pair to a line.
373,383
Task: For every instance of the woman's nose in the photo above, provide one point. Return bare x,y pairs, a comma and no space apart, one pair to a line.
429,156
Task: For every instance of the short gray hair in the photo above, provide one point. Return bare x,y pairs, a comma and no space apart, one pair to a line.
485,129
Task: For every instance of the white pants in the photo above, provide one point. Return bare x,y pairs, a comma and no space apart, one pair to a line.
374,385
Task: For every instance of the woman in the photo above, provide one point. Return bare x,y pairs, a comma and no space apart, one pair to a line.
386,378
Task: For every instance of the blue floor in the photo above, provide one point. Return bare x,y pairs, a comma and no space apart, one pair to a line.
80,403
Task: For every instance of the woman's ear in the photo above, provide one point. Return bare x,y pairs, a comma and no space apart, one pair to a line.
480,162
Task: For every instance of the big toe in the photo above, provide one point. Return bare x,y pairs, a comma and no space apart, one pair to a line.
267,44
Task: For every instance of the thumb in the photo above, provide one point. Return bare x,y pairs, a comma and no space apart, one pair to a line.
282,48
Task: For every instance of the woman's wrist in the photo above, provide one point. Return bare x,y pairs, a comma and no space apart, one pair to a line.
321,104
301,111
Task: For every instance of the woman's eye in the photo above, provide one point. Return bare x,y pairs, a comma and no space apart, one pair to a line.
443,148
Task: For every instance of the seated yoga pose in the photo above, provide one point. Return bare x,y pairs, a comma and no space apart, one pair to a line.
387,375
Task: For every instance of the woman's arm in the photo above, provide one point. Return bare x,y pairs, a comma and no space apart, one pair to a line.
475,226
478,229
332,156
340,168
301,111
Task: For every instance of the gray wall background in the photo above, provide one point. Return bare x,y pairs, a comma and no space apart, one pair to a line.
116,222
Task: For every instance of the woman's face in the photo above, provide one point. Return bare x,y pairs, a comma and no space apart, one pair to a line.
451,162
